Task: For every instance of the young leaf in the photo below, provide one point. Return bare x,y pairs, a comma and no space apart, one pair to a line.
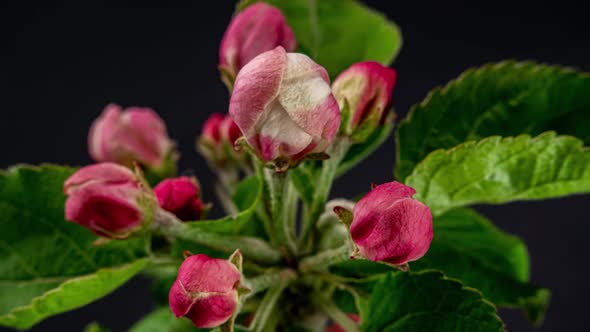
427,301
498,170
50,265
162,320
338,33
468,247
358,152
247,197
507,99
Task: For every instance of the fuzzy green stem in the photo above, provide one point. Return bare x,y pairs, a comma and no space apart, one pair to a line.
251,247
339,317
267,280
324,184
324,259
283,232
268,304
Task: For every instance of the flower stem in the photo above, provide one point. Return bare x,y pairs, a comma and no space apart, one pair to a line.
324,185
268,304
339,317
251,247
326,258
276,184
267,280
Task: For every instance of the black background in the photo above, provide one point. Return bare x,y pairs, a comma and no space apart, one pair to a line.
60,66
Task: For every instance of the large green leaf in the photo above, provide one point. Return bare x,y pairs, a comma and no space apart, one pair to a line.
50,265
505,99
466,246
427,301
498,170
338,33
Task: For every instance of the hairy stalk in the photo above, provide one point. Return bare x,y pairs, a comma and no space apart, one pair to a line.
261,209
227,180
324,259
251,247
339,317
269,303
284,234
267,280
324,185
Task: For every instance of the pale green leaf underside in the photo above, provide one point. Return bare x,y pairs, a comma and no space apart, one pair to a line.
468,247
505,99
498,170
338,33
50,265
427,301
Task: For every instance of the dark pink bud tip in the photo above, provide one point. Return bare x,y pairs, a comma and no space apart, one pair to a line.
180,196
104,199
390,226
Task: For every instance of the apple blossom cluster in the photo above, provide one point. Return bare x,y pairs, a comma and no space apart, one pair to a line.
283,112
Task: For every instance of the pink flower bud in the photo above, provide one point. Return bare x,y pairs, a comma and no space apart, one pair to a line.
205,290
217,140
105,199
336,328
257,29
283,104
135,134
390,226
366,88
180,196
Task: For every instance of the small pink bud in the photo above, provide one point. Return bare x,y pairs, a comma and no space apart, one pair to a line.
390,226
336,328
105,199
283,104
205,291
366,88
180,196
217,140
255,30
135,134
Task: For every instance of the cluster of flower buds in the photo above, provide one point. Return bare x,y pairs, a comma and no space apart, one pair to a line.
255,30
217,141
364,92
285,109
207,290
390,226
131,135
283,104
108,199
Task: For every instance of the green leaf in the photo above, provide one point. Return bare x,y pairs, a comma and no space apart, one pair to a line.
248,195
498,170
358,152
507,99
50,265
427,301
468,247
162,320
338,33
219,238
